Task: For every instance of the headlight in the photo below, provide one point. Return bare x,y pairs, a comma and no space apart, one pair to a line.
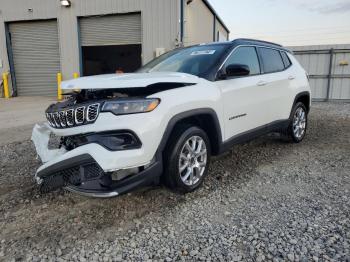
123,107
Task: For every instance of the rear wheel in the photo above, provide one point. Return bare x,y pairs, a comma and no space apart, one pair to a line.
187,159
298,123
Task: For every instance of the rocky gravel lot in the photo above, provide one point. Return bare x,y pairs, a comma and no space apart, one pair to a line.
266,200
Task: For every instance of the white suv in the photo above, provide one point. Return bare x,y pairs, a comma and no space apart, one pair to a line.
162,123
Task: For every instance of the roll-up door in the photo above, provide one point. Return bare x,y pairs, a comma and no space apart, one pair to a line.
111,43
110,30
36,59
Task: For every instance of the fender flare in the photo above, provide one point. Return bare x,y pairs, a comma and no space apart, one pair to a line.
191,113
305,93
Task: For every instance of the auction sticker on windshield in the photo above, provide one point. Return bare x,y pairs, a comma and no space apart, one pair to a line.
203,52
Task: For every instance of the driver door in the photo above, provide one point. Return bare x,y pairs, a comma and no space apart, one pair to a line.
244,98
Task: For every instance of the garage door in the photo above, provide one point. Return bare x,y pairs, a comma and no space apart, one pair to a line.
36,60
110,30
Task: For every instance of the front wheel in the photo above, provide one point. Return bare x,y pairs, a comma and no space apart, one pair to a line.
298,123
187,159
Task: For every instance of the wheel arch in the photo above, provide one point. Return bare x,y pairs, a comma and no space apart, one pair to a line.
303,97
205,118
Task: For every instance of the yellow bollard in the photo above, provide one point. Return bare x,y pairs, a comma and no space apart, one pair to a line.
59,90
6,85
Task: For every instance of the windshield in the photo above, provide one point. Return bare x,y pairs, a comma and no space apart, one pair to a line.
196,60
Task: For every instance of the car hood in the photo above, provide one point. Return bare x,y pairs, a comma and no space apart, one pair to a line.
132,80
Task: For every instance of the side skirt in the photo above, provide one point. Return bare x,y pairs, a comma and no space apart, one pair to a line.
254,133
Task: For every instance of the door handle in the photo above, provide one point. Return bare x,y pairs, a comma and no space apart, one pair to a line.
291,77
262,83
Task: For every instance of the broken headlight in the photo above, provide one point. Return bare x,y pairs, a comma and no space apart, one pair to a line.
123,107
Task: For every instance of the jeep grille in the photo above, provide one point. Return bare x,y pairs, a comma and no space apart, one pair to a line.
74,116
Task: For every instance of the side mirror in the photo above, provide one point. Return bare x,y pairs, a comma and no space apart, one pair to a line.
237,70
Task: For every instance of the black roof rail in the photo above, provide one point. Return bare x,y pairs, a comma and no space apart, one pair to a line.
257,41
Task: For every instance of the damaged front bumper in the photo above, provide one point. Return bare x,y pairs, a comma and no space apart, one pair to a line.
90,170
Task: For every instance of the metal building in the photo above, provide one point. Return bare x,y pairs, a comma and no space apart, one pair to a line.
39,38
328,67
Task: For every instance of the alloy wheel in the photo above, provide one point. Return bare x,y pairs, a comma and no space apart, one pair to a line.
193,160
299,123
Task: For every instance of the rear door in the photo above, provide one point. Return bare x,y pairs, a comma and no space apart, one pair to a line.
244,99
277,80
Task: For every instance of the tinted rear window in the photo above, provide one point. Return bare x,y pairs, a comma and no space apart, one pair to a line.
271,60
286,60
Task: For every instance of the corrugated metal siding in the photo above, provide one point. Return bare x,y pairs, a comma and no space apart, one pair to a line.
160,26
160,23
15,10
102,7
111,30
36,57
340,88
317,65
222,31
318,88
199,23
3,48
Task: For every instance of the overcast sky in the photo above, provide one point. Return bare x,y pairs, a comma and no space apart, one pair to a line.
289,22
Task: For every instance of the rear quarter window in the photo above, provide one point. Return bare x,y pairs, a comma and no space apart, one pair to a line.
286,60
271,60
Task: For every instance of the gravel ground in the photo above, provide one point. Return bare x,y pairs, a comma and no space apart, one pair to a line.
20,114
265,200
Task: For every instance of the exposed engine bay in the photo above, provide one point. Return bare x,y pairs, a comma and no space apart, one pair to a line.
83,106
135,92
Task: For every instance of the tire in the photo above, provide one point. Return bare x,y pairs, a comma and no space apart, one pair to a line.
186,164
298,123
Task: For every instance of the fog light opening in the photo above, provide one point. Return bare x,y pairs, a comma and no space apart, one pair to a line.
123,173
